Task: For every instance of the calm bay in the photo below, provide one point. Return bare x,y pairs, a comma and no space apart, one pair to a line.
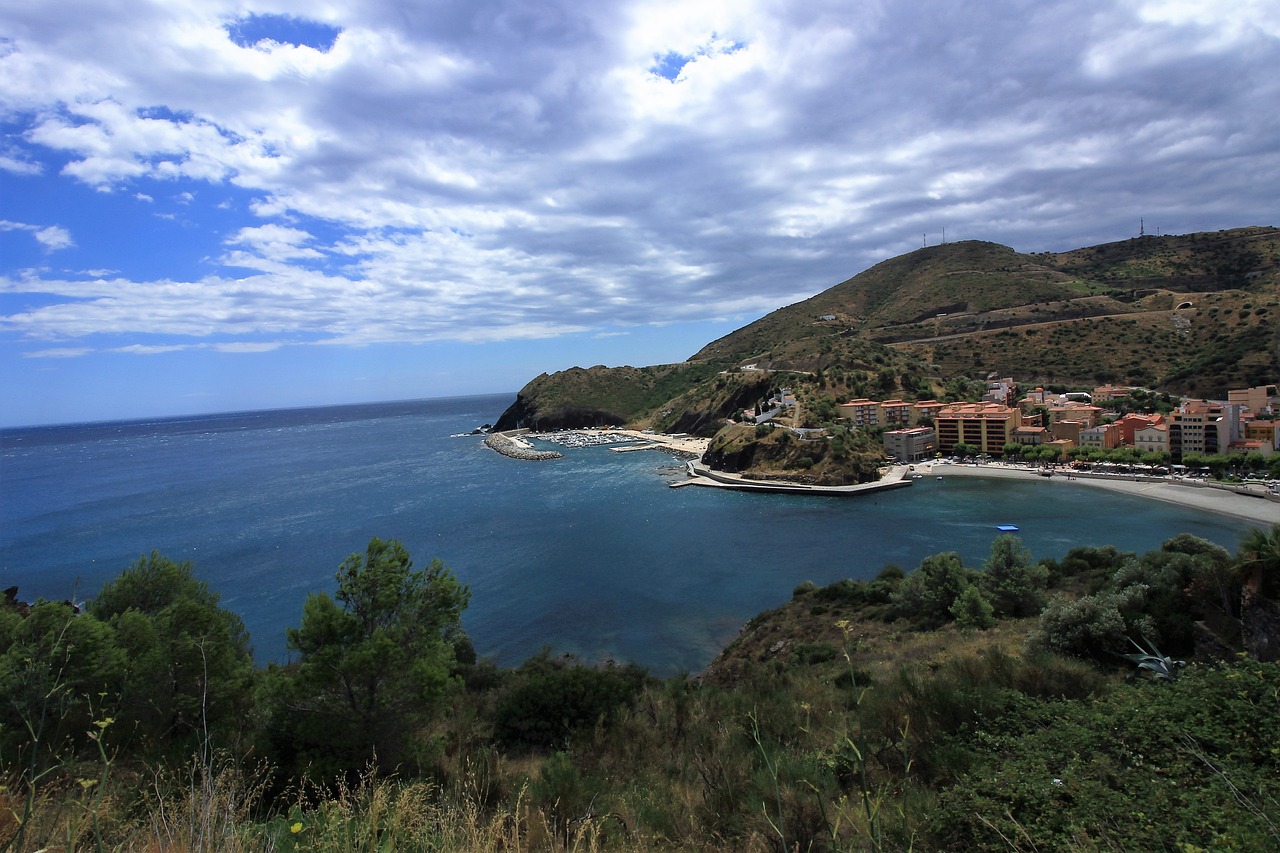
591,554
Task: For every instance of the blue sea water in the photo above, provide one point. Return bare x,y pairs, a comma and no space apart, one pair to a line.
591,554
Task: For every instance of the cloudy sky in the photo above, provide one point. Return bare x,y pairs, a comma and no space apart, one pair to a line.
211,205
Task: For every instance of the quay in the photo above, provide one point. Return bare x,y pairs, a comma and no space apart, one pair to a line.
515,447
894,478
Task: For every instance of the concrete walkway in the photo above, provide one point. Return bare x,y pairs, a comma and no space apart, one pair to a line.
894,478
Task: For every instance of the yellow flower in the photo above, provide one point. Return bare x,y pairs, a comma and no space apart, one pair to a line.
296,828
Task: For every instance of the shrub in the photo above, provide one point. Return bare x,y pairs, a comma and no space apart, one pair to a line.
807,654
972,610
1010,581
1188,765
550,701
803,589
928,593
1095,627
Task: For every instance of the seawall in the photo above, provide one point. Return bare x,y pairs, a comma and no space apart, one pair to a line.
517,448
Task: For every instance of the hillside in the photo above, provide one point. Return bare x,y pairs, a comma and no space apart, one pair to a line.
954,707
1192,314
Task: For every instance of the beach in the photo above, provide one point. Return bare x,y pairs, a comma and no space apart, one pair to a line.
1245,502
1250,506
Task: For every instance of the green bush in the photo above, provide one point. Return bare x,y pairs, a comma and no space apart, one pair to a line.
1093,627
972,611
548,701
1185,765
807,654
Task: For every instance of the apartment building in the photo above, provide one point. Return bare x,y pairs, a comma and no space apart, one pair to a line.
1003,391
862,412
1101,437
1151,439
925,409
986,426
1261,399
911,444
1070,410
1131,423
1267,432
1068,431
1193,428
1244,447
895,412
1032,436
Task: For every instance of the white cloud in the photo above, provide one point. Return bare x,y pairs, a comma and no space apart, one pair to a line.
59,352
50,237
54,237
504,171
19,165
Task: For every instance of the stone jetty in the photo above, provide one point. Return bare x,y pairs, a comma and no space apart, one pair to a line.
517,448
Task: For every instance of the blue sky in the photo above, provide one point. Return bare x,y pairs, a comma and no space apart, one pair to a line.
210,206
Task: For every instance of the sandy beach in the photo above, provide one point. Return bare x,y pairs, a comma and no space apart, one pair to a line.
1251,507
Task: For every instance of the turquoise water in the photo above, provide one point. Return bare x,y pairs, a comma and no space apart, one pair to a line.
591,554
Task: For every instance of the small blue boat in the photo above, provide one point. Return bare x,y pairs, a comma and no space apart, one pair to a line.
1007,528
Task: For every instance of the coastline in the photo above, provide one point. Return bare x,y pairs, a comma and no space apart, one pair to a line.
1250,507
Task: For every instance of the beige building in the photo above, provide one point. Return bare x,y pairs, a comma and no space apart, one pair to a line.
895,412
1261,399
1069,410
925,409
1032,436
1068,431
1106,393
986,426
1064,445
862,412
1150,439
1267,432
1200,426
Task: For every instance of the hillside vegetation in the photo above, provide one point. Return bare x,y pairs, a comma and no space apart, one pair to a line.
912,324
1102,701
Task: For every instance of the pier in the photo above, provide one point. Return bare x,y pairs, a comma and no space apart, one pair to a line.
700,475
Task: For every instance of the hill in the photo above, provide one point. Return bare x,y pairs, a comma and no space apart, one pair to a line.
1191,314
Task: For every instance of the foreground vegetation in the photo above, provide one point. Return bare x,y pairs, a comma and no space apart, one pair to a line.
1102,701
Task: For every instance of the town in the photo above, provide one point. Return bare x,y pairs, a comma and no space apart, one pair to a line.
1110,425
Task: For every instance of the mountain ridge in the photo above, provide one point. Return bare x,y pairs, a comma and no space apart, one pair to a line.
911,324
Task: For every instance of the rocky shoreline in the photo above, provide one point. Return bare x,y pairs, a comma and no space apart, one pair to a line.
508,446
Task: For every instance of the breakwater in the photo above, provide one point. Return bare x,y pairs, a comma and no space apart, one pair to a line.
517,448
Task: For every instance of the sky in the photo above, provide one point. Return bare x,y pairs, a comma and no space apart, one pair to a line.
223,205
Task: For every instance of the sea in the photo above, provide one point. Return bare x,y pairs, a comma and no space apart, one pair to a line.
592,555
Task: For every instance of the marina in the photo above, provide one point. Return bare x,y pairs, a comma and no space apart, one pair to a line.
583,438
